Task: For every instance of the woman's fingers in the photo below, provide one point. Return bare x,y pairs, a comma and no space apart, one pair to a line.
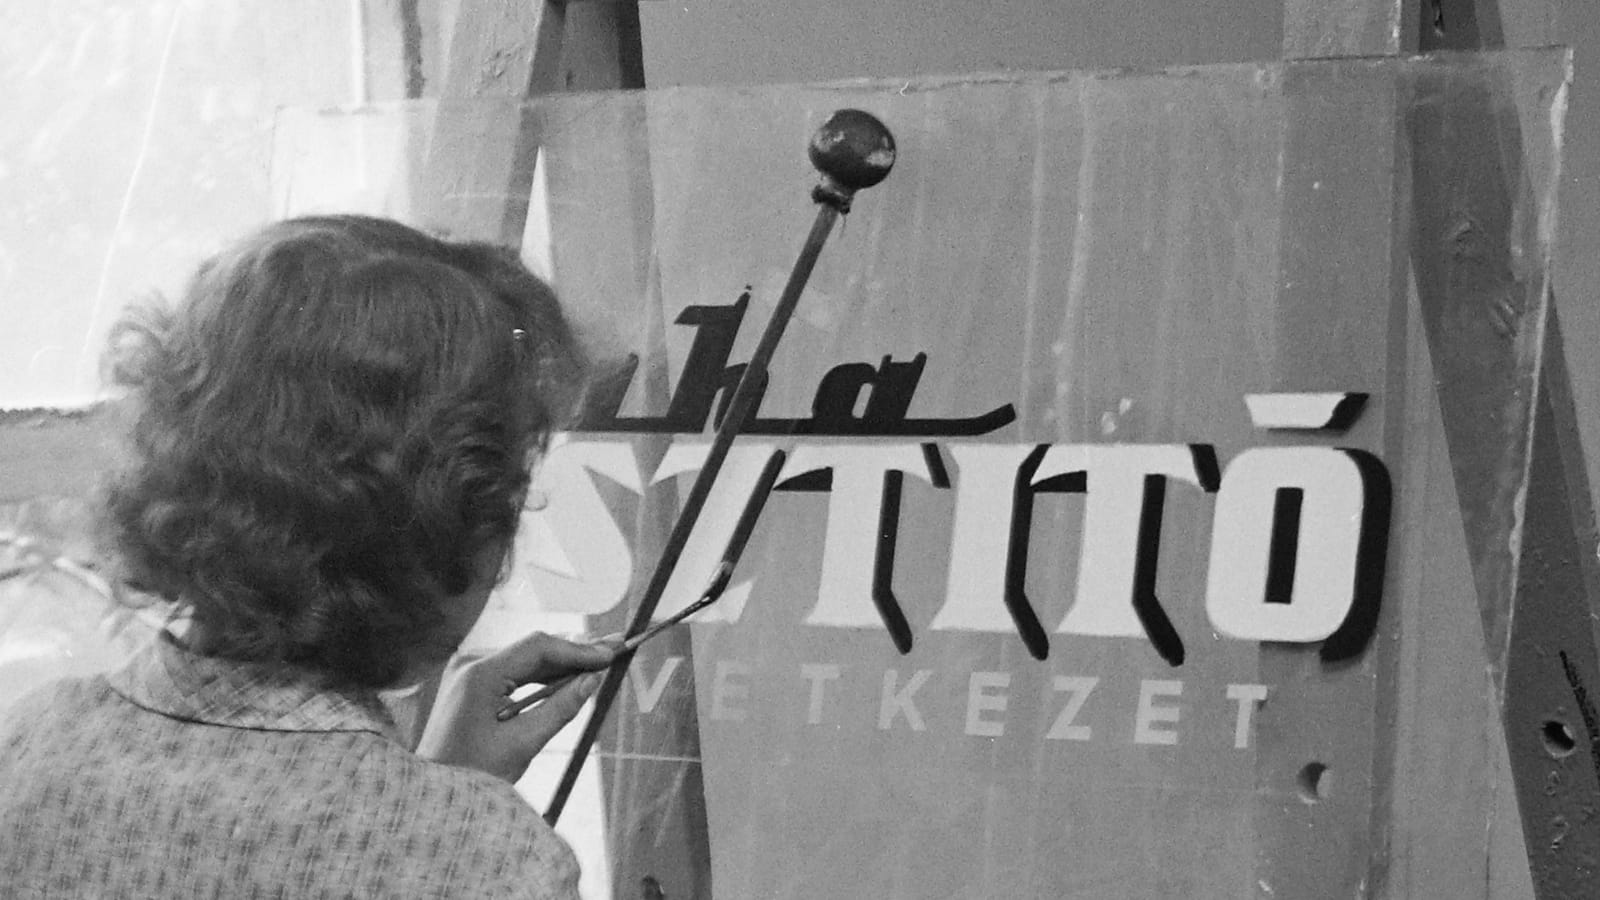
466,727
541,657
536,726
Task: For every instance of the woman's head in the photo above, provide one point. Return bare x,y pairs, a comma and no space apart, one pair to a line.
334,436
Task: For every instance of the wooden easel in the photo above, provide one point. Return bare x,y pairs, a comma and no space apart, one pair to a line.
477,182
1552,661
516,51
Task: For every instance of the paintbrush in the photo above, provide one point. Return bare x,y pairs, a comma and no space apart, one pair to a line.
714,588
719,583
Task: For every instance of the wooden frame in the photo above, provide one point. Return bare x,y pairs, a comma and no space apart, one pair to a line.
1547,715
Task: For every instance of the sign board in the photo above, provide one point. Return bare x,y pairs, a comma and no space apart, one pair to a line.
1117,552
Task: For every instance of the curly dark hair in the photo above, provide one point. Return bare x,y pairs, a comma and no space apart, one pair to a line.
333,427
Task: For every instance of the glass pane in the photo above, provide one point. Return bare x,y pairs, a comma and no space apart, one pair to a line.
136,141
1114,403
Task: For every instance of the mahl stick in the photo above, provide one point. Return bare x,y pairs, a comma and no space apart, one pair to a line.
852,150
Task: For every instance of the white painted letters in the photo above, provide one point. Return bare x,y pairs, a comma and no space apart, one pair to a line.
901,700
1288,526
1328,501
570,553
1078,688
648,695
725,691
1248,696
819,675
1144,726
986,694
855,508
1112,511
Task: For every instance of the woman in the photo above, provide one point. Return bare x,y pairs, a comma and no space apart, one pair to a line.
333,440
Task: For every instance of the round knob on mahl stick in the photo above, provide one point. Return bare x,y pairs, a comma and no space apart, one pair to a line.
852,150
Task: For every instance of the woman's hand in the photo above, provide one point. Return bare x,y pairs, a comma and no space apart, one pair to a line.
463,730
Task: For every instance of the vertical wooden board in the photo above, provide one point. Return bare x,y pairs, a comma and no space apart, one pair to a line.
391,47
465,164
1451,811
478,175
1552,729
470,165
1483,311
1485,181
604,264
1314,29
603,49
1510,874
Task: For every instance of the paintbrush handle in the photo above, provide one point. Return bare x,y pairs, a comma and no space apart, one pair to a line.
719,583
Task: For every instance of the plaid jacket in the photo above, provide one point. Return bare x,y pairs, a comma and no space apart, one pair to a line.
185,776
